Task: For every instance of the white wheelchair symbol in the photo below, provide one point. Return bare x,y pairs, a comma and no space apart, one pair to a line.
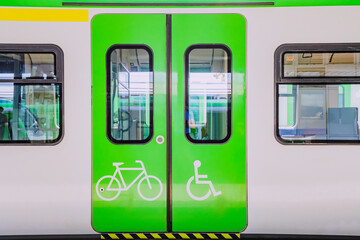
197,178
108,187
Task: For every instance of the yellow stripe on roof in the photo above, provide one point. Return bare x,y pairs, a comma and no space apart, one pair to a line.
44,15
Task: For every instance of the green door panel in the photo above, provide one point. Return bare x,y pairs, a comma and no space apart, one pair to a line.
225,164
128,212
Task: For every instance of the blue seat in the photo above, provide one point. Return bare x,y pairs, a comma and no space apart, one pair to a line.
342,123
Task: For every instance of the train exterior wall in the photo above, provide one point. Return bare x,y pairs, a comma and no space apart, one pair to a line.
302,189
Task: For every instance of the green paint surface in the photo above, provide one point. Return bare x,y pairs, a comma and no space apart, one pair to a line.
301,3
129,212
290,107
290,111
277,3
31,3
165,1
225,164
347,95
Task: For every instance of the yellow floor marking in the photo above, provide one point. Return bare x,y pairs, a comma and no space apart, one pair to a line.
198,236
184,236
170,236
212,236
226,236
113,236
141,236
44,15
127,236
102,237
238,235
155,235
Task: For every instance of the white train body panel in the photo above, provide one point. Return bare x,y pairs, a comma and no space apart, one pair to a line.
292,189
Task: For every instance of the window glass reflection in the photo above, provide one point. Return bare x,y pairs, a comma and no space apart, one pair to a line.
131,94
330,64
29,112
27,66
208,103
319,112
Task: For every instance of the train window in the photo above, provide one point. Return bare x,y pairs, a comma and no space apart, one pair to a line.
208,93
329,64
129,94
318,93
30,107
27,65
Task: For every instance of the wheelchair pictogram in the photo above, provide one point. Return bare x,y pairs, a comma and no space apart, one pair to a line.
197,178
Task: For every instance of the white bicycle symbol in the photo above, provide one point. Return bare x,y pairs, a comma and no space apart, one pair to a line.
106,190
197,178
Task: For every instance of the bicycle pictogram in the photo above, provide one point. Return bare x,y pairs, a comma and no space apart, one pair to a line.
108,187
197,178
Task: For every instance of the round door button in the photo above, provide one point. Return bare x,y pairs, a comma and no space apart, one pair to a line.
160,139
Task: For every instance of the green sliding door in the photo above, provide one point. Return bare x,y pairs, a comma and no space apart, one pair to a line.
208,64
195,181
129,113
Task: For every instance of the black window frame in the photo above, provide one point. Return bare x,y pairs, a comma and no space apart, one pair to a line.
330,80
58,80
186,88
108,93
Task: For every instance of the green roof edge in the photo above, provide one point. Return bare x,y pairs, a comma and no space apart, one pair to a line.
278,3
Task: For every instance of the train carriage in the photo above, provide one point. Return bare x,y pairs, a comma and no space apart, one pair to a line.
179,119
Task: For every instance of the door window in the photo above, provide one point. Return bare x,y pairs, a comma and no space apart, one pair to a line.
129,94
208,94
